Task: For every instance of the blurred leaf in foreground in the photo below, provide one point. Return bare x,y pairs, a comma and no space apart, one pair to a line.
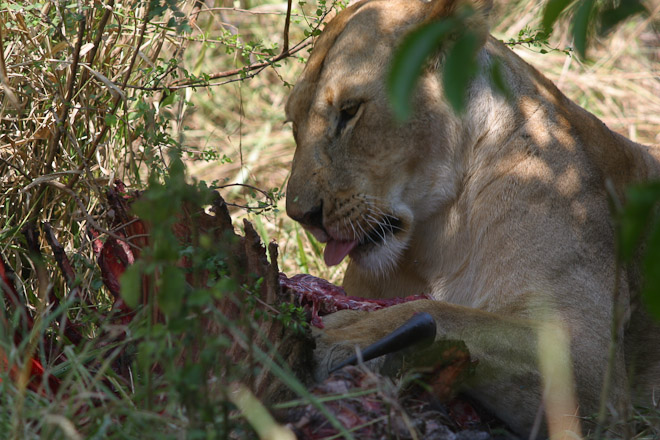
651,290
581,25
614,14
639,220
459,68
552,11
409,60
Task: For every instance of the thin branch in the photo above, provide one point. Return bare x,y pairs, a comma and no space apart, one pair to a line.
618,316
188,83
287,21
248,11
99,38
71,84
286,52
3,68
23,173
60,119
246,185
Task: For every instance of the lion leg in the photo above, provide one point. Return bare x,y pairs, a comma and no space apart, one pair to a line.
525,369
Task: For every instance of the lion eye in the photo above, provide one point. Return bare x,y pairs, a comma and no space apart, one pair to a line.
351,111
346,114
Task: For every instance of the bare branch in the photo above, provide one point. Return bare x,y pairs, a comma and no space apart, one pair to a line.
287,21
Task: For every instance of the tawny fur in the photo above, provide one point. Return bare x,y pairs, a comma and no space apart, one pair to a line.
503,211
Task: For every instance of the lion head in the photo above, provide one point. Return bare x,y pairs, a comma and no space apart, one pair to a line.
362,182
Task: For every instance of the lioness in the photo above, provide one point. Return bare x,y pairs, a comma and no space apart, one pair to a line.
500,213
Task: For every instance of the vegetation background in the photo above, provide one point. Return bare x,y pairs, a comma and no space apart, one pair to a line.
93,91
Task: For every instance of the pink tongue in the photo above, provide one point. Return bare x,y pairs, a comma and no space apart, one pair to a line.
336,250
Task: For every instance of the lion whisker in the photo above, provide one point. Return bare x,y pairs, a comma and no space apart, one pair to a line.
393,226
382,225
378,224
350,223
364,233
385,219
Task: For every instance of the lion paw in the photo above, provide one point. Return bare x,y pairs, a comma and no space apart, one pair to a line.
334,343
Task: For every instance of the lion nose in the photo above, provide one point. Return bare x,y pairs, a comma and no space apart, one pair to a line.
313,217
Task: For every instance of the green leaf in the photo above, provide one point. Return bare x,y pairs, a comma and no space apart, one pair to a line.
131,285
552,11
408,62
459,68
651,290
613,15
111,119
177,170
635,218
581,23
171,292
145,355
640,218
169,99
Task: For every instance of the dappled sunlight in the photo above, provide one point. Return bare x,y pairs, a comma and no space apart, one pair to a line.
568,183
